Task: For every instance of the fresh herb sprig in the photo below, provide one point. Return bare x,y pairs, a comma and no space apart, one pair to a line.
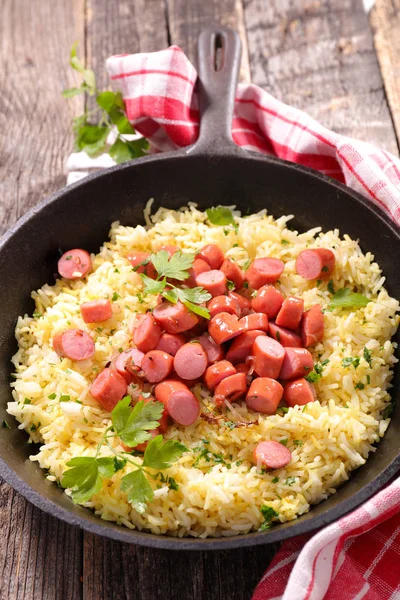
133,425
220,215
345,298
176,268
109,115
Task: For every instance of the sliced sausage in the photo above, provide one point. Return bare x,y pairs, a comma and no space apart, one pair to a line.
272,455
141,447
212,255
170,249
74,264
312,326
243,368
157,365
233,273
299,392
263,271
268,300
96,311
190,361
244,303
74,344
290,313
213,281
181,404
171,342
231,388
174,318
223,304
213,350
297,362
286,337
199,266
200,328
316,263
264,395
268,357
217,372
138,257
108,388
128,361
242,346
147,333
254,321
224,327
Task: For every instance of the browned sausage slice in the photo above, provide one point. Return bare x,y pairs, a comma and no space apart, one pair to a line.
213,281
268,357
316,263
242,346
223,304
263,271
264,395
74,344
147,333
181,404
199,266
312,326
190,361
217,372
233,273
130,359
138,257
96,311
74,264
244,303
254,321
298,362
171,342
108,389
174,318
268,300
231,388
290,313
213,350
243,368
212,255
284,336
299,392
157,365
224,327
272,455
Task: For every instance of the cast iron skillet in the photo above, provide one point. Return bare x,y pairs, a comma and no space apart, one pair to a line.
211,172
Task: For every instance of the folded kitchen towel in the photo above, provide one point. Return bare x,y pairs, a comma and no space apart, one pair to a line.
357,556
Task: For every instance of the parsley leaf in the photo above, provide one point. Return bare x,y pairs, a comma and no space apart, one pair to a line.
85,476
175,267
367,356
152,286
268,513
192,297
133,425
160,454
345,298
138,489
220,215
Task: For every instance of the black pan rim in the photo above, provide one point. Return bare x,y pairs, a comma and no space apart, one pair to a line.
279,533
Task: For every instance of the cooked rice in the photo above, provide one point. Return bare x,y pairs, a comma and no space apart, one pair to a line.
328,438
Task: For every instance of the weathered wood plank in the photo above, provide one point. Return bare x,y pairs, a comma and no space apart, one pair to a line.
187,19
385,22
319,56
35,139
123,572
40,557
35,120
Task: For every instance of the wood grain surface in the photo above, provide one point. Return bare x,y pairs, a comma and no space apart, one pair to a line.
317,55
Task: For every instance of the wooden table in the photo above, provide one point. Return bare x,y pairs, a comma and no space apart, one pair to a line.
327,57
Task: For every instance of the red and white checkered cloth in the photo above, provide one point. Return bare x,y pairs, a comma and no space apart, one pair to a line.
358,556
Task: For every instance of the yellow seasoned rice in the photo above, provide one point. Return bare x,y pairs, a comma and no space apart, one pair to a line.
328,438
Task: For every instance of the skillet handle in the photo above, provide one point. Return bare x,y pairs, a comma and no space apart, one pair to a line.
219,51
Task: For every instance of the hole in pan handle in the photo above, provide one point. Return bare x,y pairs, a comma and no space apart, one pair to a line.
219,52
